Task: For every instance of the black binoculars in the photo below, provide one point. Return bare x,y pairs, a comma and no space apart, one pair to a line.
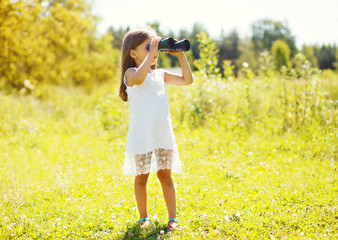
169,44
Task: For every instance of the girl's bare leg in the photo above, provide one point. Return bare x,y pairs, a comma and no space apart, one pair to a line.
141,194
168,189
142,165
165,161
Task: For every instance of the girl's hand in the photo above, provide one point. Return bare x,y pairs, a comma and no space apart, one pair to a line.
154,45
177,54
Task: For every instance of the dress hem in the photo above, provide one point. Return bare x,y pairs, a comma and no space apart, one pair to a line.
152,161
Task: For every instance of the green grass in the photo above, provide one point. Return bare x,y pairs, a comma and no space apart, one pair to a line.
259,161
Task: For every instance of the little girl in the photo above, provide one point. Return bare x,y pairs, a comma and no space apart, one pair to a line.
151,145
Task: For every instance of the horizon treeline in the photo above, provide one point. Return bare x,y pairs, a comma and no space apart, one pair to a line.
270,36
57,42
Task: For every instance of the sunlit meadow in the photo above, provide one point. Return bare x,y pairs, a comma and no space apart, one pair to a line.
259,161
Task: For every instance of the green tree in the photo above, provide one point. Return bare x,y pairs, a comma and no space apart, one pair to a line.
336,62
228,48
281,53
265,32
326,56
52,41
247,56
118,36
194,52
309,53
196,29
156,25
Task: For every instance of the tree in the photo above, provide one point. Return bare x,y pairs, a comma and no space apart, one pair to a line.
228,48
156,25
196,29
118,36
52,41
309,53
247,56
265,32
326,56
281,53
336,63
194,52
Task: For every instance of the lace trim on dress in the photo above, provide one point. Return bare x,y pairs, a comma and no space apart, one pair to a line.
158,159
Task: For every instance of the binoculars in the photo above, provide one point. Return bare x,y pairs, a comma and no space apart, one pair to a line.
169,44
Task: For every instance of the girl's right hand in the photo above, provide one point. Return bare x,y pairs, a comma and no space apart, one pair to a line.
154,45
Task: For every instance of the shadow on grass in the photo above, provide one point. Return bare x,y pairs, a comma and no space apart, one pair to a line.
136,232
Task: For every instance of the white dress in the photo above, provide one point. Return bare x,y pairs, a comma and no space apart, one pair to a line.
151,144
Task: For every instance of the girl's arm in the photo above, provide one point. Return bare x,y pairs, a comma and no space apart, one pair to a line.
186,77
138,76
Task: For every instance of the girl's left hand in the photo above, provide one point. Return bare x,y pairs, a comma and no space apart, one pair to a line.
177,54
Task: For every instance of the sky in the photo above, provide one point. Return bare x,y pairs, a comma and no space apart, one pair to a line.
311,21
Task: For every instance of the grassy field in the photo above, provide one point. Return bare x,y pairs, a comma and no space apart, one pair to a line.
259,160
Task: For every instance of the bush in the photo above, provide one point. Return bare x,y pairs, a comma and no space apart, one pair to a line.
249,103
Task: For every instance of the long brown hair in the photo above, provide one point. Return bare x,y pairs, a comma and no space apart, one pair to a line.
131,40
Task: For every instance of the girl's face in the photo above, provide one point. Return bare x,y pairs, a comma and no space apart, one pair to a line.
141,52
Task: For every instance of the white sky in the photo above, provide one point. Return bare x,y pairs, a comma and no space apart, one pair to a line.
311,21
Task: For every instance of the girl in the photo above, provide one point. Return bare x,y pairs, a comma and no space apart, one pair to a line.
151,145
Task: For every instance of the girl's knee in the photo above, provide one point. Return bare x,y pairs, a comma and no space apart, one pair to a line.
164,175
141,179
